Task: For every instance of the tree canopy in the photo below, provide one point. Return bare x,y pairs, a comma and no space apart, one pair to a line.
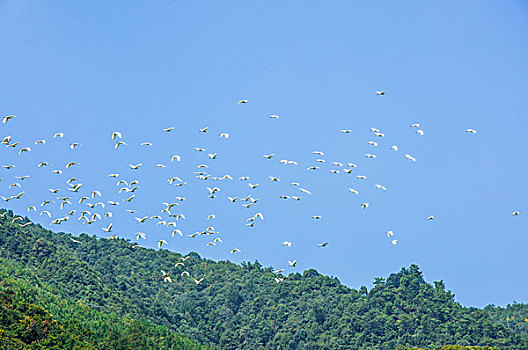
242,306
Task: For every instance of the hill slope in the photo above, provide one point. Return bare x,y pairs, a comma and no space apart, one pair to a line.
241,306
33,317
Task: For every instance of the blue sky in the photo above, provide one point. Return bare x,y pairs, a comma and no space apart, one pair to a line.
88,69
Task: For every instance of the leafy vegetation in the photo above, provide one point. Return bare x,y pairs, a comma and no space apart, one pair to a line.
513,316
452,347
32,317
241,306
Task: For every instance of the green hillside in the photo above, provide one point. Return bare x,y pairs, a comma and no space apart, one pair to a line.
452,347
33,317
514,317
242,306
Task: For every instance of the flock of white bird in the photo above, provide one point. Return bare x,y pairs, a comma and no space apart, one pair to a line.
86,204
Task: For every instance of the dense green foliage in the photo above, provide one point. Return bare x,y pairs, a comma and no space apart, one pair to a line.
241,306
24,323
452,347
513,316
32,317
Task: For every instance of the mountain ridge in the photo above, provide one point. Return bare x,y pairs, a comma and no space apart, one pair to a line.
242,306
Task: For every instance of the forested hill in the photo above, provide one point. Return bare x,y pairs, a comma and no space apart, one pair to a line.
243,306
34,317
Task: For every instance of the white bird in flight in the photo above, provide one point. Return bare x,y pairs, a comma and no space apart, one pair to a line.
381,187
72,164
8,117
119,143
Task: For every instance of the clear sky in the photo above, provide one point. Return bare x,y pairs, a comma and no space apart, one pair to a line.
90,68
